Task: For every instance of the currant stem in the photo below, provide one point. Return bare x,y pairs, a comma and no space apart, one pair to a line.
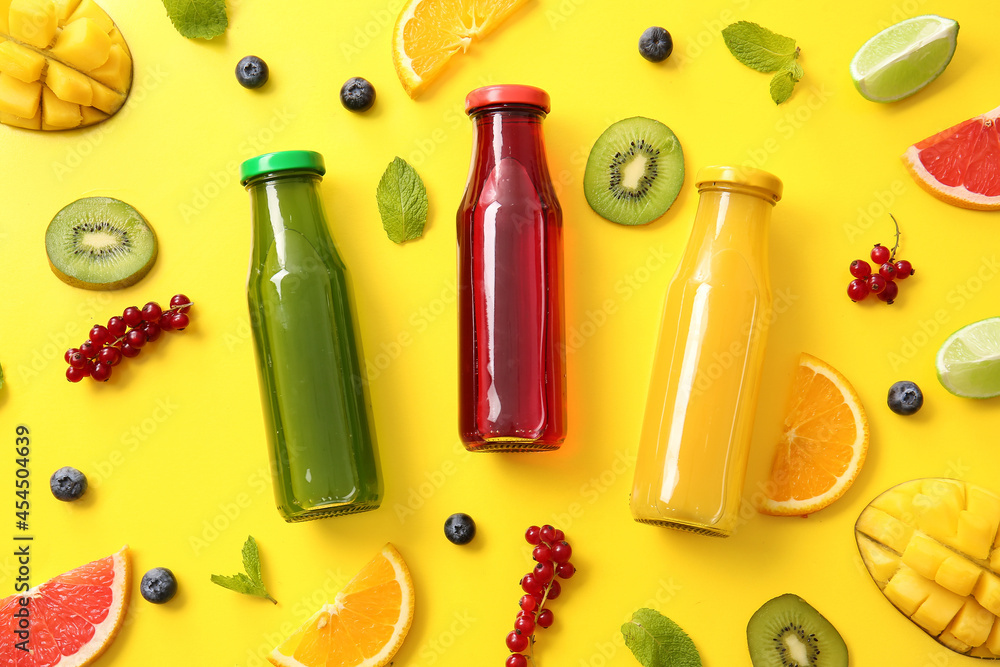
538,612
893,256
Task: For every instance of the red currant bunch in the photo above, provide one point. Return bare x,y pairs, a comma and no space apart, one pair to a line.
551,554
124,336
882,284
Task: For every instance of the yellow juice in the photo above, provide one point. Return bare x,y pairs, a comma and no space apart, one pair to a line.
696,431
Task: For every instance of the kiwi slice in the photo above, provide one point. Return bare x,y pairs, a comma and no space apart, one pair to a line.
100,243
788,632
634,172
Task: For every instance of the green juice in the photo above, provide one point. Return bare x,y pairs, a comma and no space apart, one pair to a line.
324,459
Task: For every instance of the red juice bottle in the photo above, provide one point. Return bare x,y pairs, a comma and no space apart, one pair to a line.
512,378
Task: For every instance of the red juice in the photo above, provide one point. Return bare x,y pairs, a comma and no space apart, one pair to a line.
512,379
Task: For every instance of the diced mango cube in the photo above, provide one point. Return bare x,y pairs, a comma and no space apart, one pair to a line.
4,13
57,114
958,574
937,611
18,98
981,652
972,624
897,503
64,8
975,534
89,9
884,528
925,555
987,592
984,503
21,62
33,22
117,38
953,642
881,562
116,73
92,115
33,123
68,84
908,590
950,491
106,99
83,45
993,640
936,516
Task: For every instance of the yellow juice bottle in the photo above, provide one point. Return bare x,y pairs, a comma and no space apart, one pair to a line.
699,414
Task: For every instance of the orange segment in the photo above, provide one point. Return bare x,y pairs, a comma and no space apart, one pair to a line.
365,624
429,32
961,165
823,445
73,616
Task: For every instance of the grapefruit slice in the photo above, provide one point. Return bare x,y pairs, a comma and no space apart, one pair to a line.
961,165
365,624
824,443
71,618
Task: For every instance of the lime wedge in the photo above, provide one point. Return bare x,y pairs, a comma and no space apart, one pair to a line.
904,58
968,364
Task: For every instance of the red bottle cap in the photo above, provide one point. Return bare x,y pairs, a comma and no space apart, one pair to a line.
507,94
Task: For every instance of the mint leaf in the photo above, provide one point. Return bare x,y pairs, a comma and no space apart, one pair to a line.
758,47
402,202
250,583
656,641
1,377
198,18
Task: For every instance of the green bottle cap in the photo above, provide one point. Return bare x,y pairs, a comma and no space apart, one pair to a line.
270,163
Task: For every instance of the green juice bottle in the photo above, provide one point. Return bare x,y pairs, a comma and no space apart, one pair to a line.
324,458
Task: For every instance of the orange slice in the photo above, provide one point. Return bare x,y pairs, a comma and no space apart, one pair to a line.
365,624
823,445
961,165
429,32
71,618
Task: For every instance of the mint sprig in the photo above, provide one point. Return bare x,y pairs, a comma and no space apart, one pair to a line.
250,583
203,19
402,202
766,51
656,641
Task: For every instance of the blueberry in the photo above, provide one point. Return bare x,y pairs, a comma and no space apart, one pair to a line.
251,72
655,44
357,94
158,585
905,398
460,528
68,484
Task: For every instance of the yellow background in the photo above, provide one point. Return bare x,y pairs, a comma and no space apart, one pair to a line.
174,443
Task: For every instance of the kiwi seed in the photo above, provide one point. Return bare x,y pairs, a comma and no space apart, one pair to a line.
788,632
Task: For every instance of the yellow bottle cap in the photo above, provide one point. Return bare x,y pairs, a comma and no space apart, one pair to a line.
765,182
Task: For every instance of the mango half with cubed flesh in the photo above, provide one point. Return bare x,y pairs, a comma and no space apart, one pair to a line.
933,548
63,64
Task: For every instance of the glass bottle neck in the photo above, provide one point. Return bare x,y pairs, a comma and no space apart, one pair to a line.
729,218
289,200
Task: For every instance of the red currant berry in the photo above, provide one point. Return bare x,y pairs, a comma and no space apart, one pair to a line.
151,311
547,533
539,596
151,329
74,374
99,335
544,572
887,271
530,585
100,372
531,535
876,283
70,352
860,268
132,316
136,338
166,322
88,349
545,618
77,360
516,660
565,570
559,536
858,289
555,589
179,321
117,327
889,293
880,254
542,553
528,603
516,643
561,552
525,625
182,301
111,356
904,269
129,351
